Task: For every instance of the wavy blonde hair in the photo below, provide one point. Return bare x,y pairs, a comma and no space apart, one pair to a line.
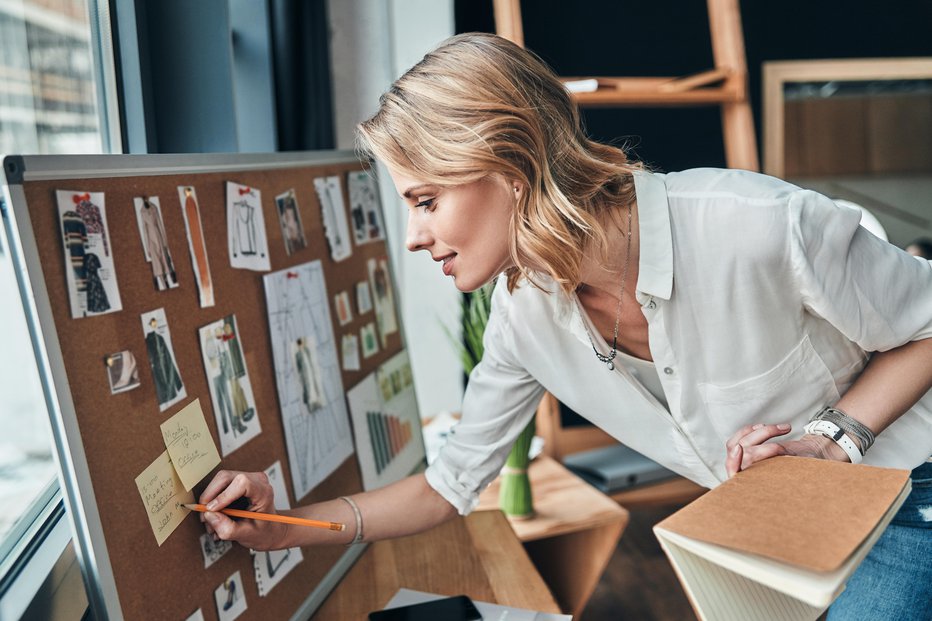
477,105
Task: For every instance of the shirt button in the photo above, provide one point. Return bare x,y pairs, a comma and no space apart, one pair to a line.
652,305
668,370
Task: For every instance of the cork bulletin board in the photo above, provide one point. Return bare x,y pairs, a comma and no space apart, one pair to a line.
104,440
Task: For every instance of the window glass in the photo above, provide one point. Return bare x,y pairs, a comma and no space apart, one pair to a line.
47,106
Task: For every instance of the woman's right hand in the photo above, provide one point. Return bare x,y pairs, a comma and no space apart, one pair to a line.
228,486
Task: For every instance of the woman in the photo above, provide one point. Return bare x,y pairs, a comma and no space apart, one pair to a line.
701,317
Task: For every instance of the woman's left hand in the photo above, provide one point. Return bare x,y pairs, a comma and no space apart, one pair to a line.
749,445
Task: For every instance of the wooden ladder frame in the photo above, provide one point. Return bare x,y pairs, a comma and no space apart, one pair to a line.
725,84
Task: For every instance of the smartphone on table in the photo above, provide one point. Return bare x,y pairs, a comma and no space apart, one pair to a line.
459,608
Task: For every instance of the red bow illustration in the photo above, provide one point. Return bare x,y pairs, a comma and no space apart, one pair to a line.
245,191
291,275
77,198
228,337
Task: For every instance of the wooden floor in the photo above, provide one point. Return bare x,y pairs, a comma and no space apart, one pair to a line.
639,583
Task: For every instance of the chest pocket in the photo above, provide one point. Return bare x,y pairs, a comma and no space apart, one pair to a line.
791,391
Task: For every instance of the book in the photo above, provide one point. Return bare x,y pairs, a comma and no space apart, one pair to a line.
614,468
780,539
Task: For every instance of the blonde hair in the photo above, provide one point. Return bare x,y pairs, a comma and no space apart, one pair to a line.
477,105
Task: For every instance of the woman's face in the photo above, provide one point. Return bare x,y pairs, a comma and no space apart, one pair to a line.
464,227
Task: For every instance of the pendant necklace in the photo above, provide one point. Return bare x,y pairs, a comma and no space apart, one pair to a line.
610,358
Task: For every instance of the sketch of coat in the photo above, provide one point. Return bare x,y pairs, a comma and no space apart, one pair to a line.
97,301
291,225
75,233
308,371
244,240
90,213
236,354
164,371
157,244
221,382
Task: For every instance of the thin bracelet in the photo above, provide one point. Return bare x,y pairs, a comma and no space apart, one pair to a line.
358,514
851,426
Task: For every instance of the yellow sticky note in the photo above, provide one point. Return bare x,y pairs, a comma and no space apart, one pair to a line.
190,444
161,492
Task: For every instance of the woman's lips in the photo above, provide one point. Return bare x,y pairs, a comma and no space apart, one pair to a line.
448,264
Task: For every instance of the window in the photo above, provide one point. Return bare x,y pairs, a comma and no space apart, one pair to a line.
50,88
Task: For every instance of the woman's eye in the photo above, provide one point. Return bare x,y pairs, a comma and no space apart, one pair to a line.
427,202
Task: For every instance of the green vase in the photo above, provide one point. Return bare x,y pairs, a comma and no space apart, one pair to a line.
514,496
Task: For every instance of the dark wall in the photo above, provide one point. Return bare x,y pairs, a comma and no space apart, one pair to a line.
671,37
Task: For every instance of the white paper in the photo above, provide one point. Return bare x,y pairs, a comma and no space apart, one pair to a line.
247,241
155,242
384,298
333,211
307,374
289,218
272,566
349,347
231,598
213,551
365,207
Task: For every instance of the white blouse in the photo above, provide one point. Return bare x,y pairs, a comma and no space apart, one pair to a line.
762,302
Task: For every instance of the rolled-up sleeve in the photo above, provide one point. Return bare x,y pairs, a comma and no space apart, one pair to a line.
501,397
875,294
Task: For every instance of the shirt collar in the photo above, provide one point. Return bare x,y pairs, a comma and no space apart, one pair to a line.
655,265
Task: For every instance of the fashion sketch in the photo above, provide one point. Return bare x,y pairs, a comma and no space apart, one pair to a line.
383,406
122,371
228,382
272,566
230,598
169,389
89,268
365,206
212,550
307,375
381,282
333,211
198,249
248,245
290,220
155,242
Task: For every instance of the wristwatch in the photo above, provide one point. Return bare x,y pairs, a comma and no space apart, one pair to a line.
831,430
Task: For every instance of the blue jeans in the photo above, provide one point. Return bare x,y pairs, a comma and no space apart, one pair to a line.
895,580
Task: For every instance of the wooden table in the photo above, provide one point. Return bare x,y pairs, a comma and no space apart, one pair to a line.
478,555
573,533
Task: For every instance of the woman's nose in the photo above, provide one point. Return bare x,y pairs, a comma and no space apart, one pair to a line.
417,237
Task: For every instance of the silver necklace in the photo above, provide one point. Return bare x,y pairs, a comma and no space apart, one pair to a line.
609,359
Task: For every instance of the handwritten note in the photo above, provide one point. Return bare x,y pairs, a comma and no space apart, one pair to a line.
190,444
161,492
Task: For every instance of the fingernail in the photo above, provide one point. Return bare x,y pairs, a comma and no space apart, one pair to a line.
735,450
212,505
757,426
783,426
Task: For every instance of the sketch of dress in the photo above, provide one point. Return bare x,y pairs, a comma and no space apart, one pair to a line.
75,233
236,354
244,240
308,371
198,249
157,246
164,371
90,214
97,301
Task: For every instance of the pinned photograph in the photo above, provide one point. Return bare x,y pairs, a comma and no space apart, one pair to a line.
365,207
333,211
212,550
228,381
290,220
385,421
384,299
370,343
122,371
363,298
155,242
307,375
349,346
192,225
89,269
169,388
230,598
341,302
248,244
273,565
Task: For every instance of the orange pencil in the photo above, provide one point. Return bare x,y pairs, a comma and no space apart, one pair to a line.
269,517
